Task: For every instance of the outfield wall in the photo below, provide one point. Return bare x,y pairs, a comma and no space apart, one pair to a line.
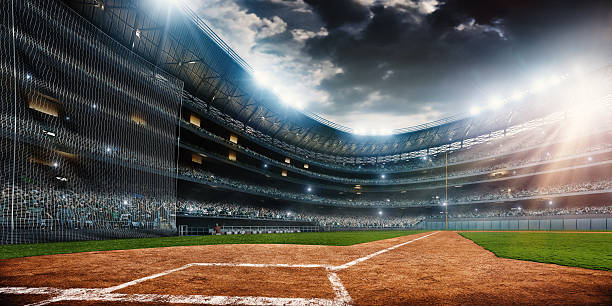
544,223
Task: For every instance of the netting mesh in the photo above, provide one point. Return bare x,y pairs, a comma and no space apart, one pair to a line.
88,131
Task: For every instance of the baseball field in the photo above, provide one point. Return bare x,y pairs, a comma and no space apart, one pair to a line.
339,268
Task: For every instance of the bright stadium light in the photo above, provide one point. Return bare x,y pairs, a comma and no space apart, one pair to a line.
517,96
550,202
380,212
496,102
474,110
382,176
298,105
444,204
168,2
554,80
55,165
309,189
540,85
261,79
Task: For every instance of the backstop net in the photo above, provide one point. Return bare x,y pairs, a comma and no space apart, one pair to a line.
88,131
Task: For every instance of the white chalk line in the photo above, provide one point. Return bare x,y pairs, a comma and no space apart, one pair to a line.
342,296
99,294
140,280
358,260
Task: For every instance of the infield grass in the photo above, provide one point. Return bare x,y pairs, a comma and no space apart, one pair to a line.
315,238
585,250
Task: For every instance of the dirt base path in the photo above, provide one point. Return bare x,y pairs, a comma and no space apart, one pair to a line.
443,268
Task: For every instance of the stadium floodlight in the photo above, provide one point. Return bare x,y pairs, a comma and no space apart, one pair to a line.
28,76
382,176
444,204
55,165
517,96
265,165
261,78
166,2
554,80
309,189
380,212
540,85
125,202
288,213
108,149
496,102
475,110
298,105
550,202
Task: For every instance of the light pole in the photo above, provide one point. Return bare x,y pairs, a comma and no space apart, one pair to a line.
446,190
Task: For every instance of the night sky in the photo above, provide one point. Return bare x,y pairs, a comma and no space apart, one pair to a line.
376,65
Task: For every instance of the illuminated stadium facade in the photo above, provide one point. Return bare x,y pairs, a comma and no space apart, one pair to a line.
130,119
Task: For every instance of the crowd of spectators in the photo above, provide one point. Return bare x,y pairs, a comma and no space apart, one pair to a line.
51,207
241,210
456,197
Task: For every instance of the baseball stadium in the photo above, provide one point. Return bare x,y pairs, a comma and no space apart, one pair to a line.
145,161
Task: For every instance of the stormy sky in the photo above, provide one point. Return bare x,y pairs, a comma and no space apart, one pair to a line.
373,64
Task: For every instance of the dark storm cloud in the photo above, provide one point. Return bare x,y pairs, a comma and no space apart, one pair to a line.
339,12
427,57
462,53
295,13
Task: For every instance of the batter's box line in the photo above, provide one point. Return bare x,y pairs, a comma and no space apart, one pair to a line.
342,296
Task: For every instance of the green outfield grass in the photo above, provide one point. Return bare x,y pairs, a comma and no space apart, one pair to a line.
585,250
317,238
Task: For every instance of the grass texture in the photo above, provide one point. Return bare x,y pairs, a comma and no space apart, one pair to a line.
585,250
314,238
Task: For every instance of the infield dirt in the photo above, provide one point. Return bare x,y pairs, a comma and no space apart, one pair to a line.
444,268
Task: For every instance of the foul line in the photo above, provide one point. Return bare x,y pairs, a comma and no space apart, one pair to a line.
358,260
342,296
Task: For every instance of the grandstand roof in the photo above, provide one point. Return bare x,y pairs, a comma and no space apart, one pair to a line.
180,43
